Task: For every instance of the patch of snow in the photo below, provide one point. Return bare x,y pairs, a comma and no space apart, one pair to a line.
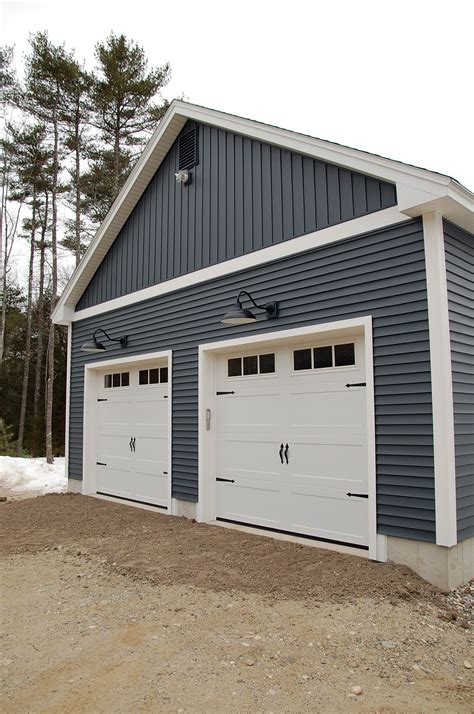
18,474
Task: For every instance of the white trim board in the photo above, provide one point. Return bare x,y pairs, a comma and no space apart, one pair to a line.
441,381
417,188
92,372
206,507
68,399
332,234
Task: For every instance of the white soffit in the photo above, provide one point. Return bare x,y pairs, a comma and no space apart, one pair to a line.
418,190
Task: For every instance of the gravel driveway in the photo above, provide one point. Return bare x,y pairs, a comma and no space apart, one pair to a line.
108,608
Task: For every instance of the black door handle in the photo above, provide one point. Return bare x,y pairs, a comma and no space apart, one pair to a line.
133,443
281,452
286,454
130,443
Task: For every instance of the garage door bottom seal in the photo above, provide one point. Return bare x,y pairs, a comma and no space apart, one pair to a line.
132,500
292,533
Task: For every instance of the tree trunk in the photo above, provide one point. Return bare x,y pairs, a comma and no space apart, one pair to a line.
78,185
27,357
37,419
117,155
4,303
54,275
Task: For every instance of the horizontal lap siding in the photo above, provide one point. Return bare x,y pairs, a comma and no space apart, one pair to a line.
245,195
381,274
459,248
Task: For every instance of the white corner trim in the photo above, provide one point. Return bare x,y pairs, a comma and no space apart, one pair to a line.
371,222
206,506
68,399
441,380
92,372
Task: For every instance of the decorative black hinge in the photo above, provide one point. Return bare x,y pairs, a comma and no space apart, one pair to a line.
165,396
357,384
100,463
219,394
102,400
227,480
358,495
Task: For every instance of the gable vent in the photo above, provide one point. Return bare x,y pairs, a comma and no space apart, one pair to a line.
188,149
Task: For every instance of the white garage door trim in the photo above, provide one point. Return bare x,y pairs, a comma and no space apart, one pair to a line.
92,380
206,507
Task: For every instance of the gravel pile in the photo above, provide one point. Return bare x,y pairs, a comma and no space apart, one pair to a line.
461,604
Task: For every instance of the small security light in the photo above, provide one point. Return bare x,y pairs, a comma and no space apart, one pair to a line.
184,176
95,346
239,315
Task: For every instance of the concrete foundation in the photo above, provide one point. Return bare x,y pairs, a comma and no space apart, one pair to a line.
444,567
74,486
184,508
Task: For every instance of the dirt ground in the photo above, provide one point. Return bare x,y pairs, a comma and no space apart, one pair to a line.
108,608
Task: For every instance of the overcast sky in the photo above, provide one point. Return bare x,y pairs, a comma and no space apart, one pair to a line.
392,78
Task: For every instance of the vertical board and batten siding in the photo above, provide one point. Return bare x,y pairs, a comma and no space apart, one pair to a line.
245,195
459,250
380,274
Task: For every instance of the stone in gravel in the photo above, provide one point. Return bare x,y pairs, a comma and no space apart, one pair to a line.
467,664
250,662
356,690
388,644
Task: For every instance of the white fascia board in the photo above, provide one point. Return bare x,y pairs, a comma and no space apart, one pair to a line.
333,234
414,185
441,381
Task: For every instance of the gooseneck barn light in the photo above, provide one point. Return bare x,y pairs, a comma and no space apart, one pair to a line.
95,346
239,315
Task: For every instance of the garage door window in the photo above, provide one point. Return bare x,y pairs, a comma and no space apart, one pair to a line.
324,357
251,365
118,379
158,375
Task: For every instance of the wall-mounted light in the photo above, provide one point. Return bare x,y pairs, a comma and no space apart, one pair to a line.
95,346
185,177
239,315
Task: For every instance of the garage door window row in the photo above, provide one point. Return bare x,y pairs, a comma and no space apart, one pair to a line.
153,376
324,357
118,379
254,364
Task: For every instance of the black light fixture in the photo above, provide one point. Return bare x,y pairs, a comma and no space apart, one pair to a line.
239,315
95,346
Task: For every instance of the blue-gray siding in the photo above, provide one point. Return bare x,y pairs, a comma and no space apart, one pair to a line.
459,248
245,195
380,274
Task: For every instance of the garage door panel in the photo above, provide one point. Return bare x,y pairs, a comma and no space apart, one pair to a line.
115,478
149,486
335,461
253,454
249,504
329,517
114,445
328,408
114,412
248,410
151,412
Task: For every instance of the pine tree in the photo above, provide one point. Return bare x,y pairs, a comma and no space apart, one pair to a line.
76,120
124,114
31,165
45,97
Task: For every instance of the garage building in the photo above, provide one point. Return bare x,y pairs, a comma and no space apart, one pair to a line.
277,331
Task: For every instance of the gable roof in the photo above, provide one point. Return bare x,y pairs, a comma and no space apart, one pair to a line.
418,190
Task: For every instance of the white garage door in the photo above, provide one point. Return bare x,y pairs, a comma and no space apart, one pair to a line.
292,439
132,440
